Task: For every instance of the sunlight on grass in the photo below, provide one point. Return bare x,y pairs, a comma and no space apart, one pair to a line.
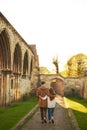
79,109
77,106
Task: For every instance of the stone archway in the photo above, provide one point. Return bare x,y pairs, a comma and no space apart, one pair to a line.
5,66
25,64
5,54
55,81
58,85
17,64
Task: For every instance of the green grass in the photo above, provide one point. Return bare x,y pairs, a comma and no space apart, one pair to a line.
12,115
79,108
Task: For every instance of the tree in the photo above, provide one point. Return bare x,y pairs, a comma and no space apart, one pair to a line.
76,65
55,62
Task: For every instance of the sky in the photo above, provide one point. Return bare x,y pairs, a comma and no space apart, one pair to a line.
57,27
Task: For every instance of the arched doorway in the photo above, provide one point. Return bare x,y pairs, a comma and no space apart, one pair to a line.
17,71
5,67
58,85
25,64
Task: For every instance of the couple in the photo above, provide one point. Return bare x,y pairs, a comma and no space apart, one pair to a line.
46,100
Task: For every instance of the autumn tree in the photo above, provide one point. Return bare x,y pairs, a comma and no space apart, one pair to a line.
76,65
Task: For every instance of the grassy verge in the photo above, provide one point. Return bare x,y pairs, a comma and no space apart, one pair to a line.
12,115
79,108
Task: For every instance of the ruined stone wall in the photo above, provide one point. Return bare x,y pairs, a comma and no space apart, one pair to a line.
72,86
55,81
76,87
17,64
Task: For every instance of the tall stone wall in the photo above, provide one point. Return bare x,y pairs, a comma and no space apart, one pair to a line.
18,64
76,87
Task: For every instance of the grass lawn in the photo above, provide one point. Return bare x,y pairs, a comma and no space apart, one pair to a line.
79,108
12,115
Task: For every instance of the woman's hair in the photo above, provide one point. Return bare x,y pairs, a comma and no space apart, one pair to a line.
52,92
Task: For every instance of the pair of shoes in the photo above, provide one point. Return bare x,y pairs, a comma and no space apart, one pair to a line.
49,121
45,121
52,121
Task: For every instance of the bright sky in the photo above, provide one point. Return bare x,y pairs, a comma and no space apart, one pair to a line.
57,27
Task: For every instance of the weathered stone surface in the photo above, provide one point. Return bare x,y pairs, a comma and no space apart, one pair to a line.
17,64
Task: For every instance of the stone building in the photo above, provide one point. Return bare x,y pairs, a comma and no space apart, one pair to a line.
19,64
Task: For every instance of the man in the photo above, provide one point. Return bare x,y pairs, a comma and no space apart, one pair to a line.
42,91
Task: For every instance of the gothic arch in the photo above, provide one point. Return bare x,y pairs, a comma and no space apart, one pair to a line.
25,63
17,59
5,54
31,66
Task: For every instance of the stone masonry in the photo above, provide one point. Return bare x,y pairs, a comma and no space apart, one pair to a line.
18,64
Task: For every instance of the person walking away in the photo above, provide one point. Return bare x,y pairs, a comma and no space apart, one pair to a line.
42,91
51,104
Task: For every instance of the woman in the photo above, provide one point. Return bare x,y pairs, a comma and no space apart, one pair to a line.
51,105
